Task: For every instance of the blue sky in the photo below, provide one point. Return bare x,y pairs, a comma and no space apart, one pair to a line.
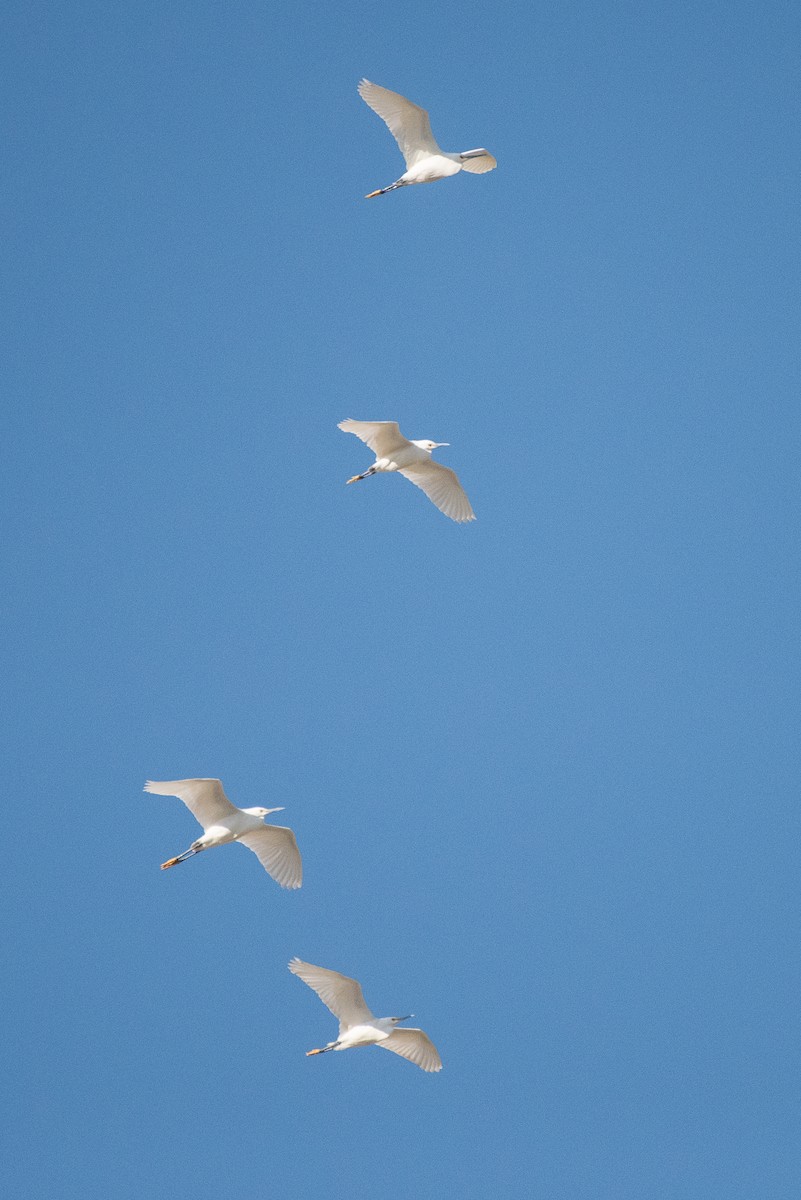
543,769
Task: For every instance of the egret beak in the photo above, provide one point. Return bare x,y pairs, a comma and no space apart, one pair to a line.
442,443
279,809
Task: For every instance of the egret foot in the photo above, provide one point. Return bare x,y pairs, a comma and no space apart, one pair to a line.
377,192
310,1052
353,479
170,862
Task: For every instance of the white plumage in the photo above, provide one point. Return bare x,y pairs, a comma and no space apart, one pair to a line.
411,128
357,1025
413,460
274,845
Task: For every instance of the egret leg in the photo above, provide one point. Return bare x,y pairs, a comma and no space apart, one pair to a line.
178,859
383,191
355,478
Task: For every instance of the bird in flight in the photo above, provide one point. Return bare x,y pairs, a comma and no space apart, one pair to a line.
394,452
357,1025
411,129
274,846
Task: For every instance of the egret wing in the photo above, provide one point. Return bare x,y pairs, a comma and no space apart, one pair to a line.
383,437
407,122
480,165
343,996
414,1045
442,487
277,851
204,798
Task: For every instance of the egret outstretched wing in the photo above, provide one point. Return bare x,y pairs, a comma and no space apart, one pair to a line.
204,798
383,437
414,1045
442,487
343,996
277,851
407,122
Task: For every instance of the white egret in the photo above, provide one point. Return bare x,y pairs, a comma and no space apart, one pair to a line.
357,1025
413,459
411,129
274,845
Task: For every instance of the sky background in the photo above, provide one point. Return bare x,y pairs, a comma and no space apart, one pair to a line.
543,769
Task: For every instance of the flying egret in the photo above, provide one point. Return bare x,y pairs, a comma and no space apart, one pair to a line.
357,1025
411,129
413,459
274,846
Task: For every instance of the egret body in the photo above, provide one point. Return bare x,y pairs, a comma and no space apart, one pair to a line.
357,1025
413,460
411,129
274,845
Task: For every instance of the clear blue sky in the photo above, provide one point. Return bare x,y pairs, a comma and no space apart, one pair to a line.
543,769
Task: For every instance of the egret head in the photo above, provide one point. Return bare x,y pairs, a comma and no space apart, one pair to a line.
397,1020
428,445
262,812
